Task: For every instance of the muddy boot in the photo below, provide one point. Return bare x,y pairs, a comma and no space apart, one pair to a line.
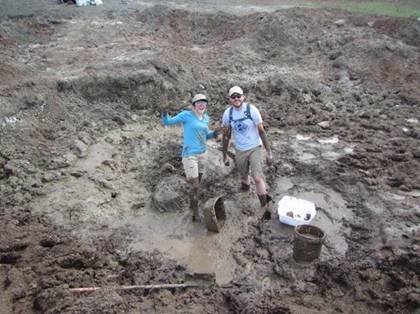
245,187
264,200
194,203
194,210
267,215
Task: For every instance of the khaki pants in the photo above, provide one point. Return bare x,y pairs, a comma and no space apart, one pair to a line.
194,165
250,160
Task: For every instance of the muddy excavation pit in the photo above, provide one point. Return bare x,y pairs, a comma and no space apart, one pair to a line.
92,191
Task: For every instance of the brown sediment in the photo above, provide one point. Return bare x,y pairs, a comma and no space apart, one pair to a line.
82,153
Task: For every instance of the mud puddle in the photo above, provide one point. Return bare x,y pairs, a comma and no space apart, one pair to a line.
99,189
174,235
309,149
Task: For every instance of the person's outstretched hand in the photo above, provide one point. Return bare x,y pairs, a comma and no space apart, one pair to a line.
164,103
217,131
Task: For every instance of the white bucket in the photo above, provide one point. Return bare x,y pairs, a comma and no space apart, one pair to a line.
81,3
294,211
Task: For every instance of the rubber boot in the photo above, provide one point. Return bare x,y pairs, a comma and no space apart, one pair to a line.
264,200
194,209
194,204
245,187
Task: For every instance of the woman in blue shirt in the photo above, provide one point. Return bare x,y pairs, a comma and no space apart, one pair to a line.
195,134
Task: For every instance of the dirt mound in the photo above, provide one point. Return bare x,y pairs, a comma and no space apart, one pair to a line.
181,27
406,30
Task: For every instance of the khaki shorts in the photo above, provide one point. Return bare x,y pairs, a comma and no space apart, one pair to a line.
250,160
194,165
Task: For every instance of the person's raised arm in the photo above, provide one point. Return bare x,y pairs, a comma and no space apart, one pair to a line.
168,120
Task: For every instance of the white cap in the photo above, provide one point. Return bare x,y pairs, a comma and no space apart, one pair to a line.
199,97
235,90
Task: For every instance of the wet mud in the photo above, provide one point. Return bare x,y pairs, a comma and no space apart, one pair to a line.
92,191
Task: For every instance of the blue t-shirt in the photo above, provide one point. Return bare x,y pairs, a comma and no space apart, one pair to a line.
244,131
196,131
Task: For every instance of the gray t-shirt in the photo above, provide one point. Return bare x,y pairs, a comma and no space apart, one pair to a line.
244,131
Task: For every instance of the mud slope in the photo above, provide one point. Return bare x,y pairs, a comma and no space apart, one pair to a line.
83,154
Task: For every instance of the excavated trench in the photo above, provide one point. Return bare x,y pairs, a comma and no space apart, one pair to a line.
92,188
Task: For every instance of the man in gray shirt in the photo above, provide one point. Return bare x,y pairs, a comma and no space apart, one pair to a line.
244,121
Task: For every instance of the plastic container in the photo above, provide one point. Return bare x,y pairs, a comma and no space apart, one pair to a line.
294,211
308,243
81,3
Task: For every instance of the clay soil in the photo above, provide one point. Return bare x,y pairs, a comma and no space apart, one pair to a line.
92,192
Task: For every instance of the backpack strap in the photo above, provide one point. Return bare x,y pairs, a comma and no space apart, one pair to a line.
248,111
247,114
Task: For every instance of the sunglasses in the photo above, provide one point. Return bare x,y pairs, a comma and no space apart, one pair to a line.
200,102
235,96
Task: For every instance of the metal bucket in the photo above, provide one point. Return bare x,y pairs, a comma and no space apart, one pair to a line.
214,214
308,243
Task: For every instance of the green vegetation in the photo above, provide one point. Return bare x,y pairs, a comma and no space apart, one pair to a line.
396,8
405,9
